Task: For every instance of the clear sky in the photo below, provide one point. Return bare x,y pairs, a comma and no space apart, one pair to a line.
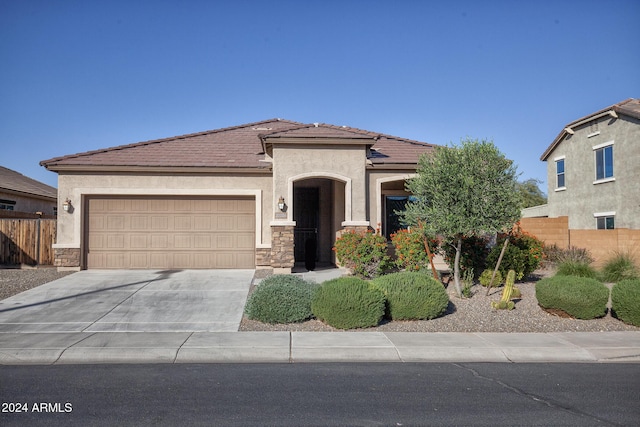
89,74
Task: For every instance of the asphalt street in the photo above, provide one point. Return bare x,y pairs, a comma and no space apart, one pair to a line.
329,394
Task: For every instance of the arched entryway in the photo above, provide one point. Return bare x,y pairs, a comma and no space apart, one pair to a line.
318,212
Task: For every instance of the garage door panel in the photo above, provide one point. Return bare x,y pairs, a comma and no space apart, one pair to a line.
171,233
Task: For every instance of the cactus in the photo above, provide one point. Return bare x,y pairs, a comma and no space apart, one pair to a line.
505,302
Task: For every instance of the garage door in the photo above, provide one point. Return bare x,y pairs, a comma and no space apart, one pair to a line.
170,233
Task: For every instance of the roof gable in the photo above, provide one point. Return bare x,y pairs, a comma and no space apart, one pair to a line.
16,182
629,107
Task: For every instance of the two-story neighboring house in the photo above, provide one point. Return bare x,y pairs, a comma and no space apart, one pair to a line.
593,174
593,169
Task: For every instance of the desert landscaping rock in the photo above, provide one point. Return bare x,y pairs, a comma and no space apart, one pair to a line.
476,315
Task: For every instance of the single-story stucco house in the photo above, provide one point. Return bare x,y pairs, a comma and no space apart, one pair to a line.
24,197
264,194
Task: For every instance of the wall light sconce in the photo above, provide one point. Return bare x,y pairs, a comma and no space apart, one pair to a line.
67,205
281,204
569,130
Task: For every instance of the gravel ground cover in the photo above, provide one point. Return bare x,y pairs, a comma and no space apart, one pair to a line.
475,315
463,315
16,280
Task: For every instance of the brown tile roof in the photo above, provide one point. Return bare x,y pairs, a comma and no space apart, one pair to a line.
235,147
16,182
629,107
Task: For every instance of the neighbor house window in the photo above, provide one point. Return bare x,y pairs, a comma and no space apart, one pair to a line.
605,220
7,205
392,205
560,173
604,161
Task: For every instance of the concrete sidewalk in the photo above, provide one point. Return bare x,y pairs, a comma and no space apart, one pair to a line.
300,347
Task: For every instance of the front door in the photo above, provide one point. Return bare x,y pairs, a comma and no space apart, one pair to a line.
306,215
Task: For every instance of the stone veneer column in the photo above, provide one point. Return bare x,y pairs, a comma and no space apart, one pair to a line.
66,257
282,255
263,257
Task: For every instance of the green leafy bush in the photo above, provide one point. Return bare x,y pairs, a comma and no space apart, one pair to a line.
365,254
485,278
621,266
577,269
473,254
582,298
349,302
412,295
281,298
625,301
410,251
523,255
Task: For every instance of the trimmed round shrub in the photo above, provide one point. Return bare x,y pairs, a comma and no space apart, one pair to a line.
281,298
412,296
577,269
625,301
485,278
349,302
580,297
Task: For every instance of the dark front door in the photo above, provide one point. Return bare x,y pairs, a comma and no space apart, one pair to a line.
306,215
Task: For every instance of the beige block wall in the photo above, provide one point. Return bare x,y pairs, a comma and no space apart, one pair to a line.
75,187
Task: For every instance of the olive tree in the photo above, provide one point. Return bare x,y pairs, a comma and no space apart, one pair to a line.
469,190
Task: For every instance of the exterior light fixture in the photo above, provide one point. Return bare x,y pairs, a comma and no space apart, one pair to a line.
281,204
66,205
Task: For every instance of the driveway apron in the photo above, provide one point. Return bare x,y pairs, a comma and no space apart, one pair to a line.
131,301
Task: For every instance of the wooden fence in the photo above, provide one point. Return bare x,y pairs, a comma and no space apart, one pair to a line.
602,244
27,241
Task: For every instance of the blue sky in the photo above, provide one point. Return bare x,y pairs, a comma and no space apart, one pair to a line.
88,74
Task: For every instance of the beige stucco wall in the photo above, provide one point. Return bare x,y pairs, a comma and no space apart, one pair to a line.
75,187
583,196
342,163
29,204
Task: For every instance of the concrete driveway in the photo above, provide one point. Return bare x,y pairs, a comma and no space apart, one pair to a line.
131,301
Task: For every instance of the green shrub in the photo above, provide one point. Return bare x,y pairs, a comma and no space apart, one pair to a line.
411,254
621,266
412,296
473,255
365,254
580,297
485,278
625,301
281,298
577,269
523,255
349,302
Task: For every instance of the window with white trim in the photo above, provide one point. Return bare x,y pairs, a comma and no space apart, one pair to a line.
605,220
560,183
604,161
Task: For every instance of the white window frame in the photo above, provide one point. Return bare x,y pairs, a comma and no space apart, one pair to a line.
596,148
605,215
564,164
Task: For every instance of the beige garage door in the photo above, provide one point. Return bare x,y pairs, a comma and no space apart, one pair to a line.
170,232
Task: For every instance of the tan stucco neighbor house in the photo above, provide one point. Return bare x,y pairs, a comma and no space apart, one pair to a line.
264,194
593,170
21,196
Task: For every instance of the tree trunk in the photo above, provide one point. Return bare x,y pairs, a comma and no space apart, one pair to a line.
456,268
430,256
493,276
